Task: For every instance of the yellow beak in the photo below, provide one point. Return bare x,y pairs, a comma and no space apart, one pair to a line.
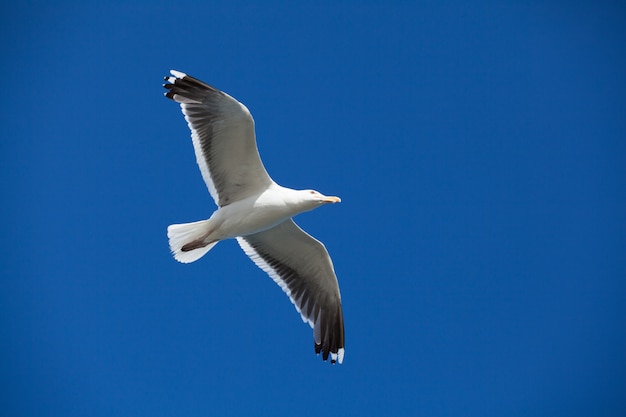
331,200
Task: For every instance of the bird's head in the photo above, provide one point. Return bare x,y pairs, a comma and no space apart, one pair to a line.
319,198
311,199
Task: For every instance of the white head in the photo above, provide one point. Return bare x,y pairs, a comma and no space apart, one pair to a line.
310,199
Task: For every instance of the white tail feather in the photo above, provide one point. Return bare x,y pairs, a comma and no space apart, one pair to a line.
180,235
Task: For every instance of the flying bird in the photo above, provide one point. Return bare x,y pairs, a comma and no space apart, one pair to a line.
255,210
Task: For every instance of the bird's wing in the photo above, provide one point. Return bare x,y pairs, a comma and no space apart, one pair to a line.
300,265
222,130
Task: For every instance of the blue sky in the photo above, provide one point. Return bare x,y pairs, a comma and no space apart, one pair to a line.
480,153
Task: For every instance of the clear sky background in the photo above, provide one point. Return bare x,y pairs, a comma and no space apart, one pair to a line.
480,152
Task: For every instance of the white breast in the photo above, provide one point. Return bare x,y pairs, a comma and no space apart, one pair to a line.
254,214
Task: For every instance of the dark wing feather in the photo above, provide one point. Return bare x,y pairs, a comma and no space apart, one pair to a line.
222,130
301,266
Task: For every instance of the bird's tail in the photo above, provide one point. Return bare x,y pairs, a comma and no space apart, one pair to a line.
188,240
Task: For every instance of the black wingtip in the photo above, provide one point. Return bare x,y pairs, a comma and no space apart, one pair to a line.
335,357
318,350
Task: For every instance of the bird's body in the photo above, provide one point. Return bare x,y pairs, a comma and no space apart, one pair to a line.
255,210
250,215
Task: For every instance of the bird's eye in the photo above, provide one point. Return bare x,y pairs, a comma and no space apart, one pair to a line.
311,192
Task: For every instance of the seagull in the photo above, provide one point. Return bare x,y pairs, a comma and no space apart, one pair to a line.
255,210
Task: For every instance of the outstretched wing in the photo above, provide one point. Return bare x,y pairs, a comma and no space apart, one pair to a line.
302,267
222,130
